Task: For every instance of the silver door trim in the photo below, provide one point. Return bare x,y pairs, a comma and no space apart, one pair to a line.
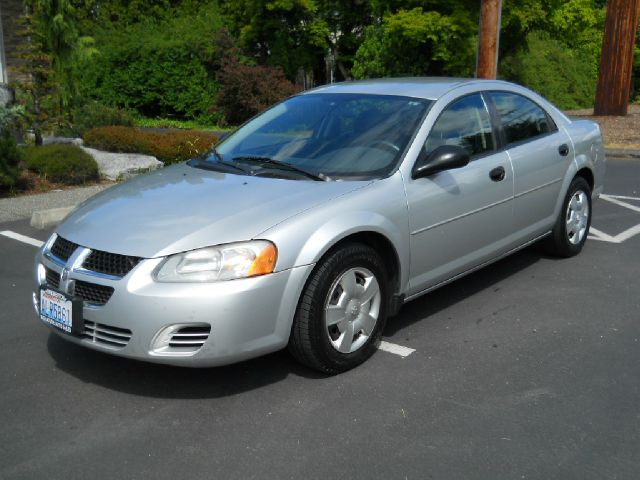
473,269
472,212
521,194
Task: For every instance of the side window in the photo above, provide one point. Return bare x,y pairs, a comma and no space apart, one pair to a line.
465,123
521,118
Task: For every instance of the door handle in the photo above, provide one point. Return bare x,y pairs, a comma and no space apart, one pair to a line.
563,150
497,174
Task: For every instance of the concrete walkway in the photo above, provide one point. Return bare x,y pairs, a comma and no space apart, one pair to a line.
17,208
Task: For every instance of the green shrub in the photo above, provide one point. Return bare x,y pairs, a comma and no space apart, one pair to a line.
94,114
564,76
176,124
10,117
169,147
247,90
67,164
157,67
9,161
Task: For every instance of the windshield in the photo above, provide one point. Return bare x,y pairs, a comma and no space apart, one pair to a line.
339,135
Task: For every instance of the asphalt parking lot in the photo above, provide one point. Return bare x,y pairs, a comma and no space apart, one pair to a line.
529,368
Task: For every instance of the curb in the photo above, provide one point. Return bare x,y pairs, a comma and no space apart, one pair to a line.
43,219
621,152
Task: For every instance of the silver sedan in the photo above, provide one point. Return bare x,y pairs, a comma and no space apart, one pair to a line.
315,221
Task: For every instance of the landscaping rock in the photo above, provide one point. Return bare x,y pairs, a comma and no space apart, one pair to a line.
120,166
50,217
64,140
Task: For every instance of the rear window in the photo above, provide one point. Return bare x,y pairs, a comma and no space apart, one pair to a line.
522,119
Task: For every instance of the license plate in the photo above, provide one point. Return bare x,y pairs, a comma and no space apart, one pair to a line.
60,311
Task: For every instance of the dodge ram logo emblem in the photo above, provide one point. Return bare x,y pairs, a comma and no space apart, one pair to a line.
67,285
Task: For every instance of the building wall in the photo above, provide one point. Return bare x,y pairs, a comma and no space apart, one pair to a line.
10,11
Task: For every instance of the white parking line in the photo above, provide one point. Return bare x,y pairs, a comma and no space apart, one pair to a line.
396,349
22,238
616,200
595,234
622,197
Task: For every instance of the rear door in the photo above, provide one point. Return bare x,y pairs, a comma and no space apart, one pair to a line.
540,154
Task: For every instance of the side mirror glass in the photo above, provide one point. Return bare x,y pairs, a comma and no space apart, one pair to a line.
445,157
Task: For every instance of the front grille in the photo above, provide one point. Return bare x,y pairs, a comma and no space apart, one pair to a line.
63,248
52,277
190,338
93,293
106,334
89,292
110,263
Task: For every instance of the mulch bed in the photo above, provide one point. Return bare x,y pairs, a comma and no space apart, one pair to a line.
618,132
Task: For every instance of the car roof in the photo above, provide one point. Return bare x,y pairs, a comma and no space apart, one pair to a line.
430,88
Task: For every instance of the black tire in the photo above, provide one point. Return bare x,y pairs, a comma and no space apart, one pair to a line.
559,242
310,341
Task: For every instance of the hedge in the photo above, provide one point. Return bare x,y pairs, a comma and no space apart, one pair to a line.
168,147
67,164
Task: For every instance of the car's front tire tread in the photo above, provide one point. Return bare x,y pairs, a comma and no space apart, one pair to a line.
308,342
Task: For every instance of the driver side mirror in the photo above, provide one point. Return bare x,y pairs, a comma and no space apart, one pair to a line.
445,157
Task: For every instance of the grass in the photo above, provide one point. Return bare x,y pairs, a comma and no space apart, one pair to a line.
180,124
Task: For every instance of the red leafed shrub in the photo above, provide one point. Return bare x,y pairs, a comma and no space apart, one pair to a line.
247,90
168,147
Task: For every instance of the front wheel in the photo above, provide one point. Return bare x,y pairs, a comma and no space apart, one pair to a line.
342,310
572,226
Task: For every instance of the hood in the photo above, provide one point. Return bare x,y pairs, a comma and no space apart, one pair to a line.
181,208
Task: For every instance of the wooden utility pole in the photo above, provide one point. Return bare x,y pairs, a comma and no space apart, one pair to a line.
489,39
616,62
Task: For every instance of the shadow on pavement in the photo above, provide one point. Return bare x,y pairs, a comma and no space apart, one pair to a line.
461,289
165,381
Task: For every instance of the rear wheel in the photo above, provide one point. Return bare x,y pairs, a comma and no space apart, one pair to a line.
572,226
342,310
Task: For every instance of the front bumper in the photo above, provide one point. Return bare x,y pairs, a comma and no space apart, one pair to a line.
233,320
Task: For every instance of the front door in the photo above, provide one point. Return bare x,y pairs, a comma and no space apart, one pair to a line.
460,218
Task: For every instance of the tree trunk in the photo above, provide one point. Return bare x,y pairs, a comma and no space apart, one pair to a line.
489,39
616,62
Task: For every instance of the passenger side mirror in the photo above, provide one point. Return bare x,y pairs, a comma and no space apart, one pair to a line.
445,157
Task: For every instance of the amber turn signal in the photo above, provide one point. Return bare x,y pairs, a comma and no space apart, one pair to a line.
265,262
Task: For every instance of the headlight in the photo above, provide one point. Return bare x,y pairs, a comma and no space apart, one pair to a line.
224,262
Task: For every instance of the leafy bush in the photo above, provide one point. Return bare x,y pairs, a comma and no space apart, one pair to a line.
417,42
9,161
168,147
67,164
174,123
565,76
10,117
157,67
94,114
247,90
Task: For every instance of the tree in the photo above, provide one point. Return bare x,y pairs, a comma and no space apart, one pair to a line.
286,33
418,42
37,87
616,65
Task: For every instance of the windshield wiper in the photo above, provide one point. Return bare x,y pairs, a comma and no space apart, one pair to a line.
216,166
320,177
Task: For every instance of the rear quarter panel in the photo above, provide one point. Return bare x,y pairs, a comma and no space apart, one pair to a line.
589,150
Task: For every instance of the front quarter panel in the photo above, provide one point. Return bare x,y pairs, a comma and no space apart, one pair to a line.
379,207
